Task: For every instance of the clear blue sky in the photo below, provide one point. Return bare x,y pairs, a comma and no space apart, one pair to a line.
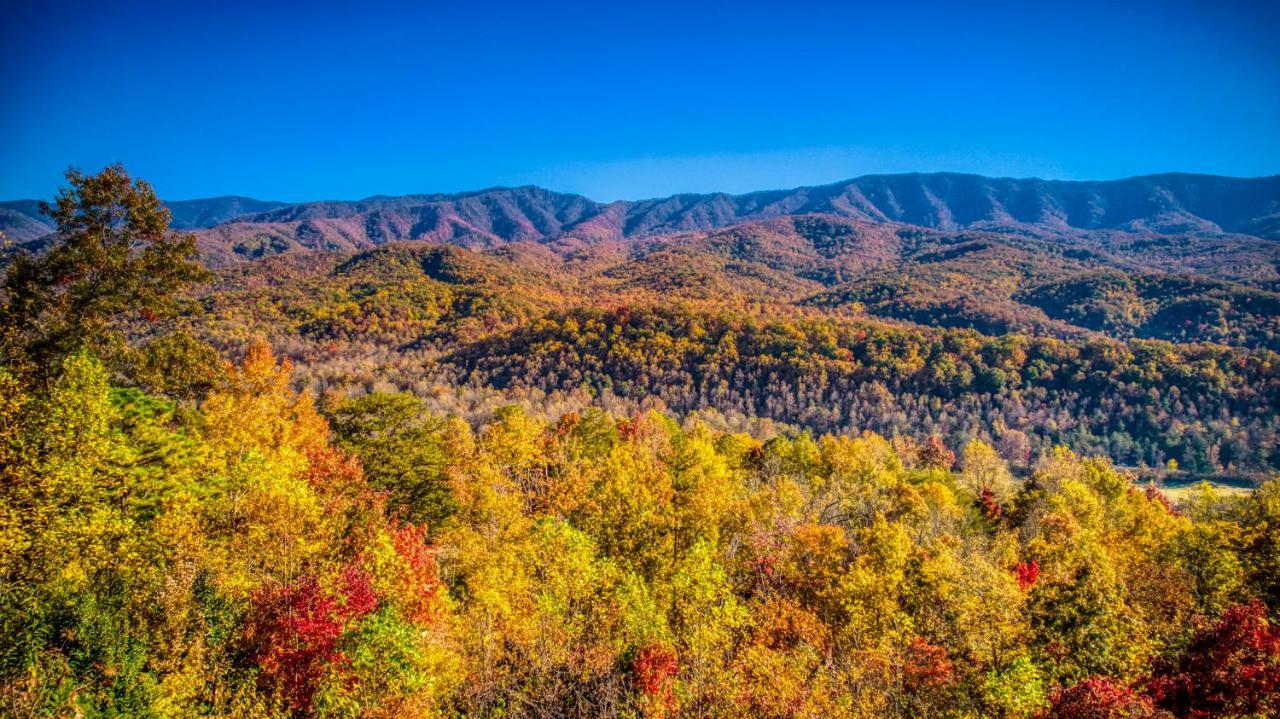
344,100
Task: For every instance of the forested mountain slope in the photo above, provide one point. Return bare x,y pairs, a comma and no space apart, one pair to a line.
712,474
690,328
1156,204
1004,308
1161,204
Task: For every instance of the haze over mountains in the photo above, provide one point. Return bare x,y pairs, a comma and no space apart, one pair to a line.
235,228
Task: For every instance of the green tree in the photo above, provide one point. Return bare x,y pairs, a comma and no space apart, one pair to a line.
113,261
402,451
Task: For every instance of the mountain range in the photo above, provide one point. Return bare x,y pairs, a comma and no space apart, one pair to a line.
237,228
1136,318
1179,257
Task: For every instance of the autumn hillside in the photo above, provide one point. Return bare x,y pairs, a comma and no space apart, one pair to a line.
807,466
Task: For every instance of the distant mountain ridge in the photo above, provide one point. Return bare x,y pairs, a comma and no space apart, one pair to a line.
233,228
194,214
21,220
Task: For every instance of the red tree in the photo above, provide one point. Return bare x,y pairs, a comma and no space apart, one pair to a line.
421,583
1156,495
1099,698
926,667
298,629
1231,668
989,505
655,666
1027,574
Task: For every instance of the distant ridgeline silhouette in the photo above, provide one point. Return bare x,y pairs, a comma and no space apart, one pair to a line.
1154,204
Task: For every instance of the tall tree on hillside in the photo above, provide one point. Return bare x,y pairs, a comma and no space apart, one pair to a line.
114,260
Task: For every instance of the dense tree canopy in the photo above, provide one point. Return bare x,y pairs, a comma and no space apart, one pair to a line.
469,332
183,536
233,558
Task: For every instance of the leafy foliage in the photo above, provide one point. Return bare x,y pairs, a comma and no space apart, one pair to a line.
114,256
224,545
598,566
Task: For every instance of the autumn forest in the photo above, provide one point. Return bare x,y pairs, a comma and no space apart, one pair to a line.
517,454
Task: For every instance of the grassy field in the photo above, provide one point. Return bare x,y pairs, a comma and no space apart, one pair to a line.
1178,493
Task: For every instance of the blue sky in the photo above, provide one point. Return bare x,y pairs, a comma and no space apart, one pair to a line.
345,100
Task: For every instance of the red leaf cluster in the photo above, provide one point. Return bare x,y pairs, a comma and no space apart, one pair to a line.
765,566
631,428
1099,698
654,666
423,576
1156,495
926,667
1027,573
299,628
1230,668
297,639
359,598
991,508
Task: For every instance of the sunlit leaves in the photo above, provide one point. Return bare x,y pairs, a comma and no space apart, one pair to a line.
236,558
